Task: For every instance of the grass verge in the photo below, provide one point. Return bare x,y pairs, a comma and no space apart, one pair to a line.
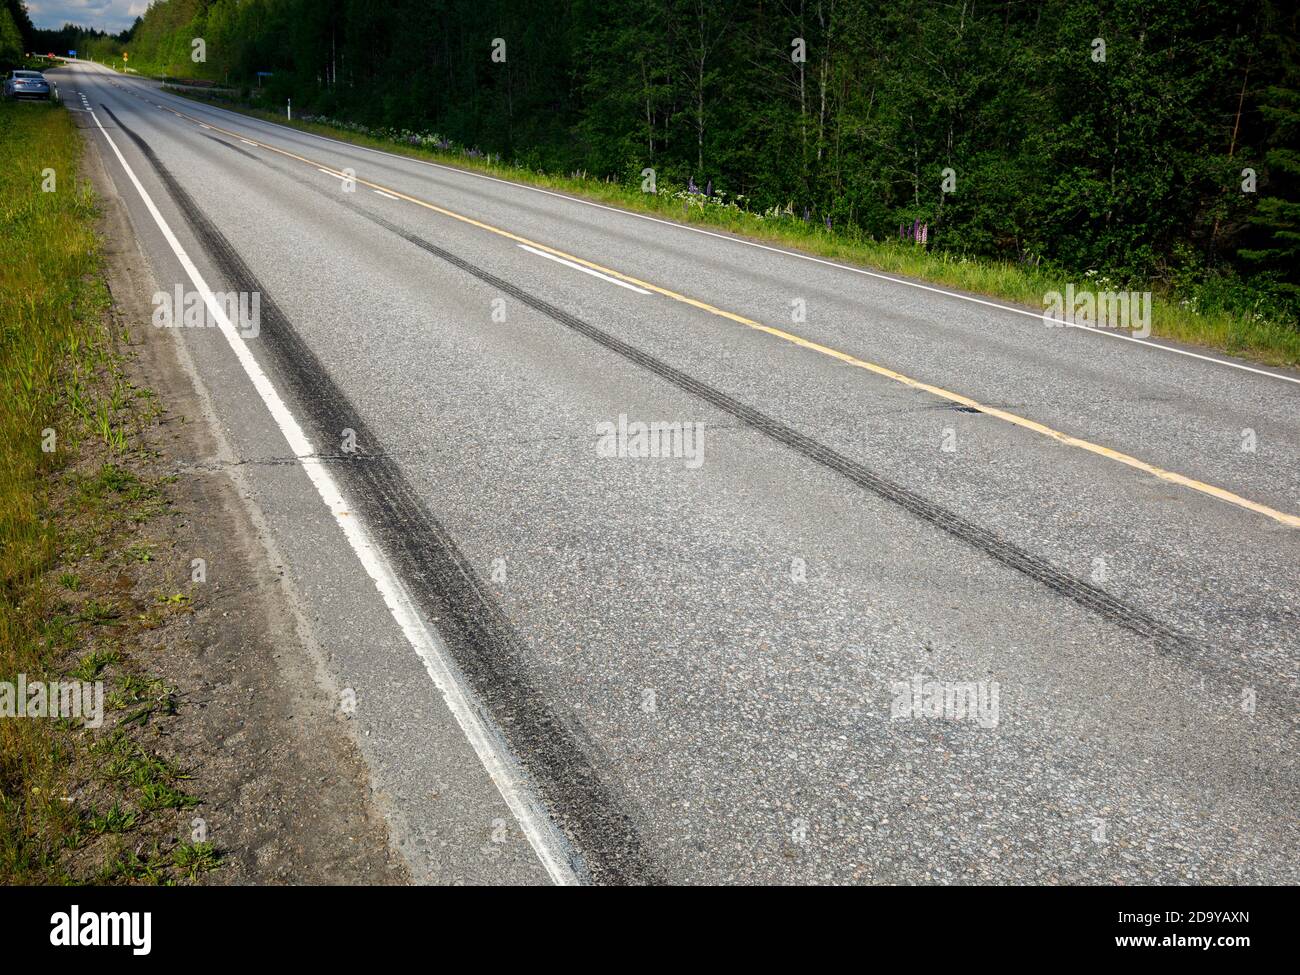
78,803
1212,315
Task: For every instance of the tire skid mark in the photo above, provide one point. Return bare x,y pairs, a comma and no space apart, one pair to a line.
553,750
1090,597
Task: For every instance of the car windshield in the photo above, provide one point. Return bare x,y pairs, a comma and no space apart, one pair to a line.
27,74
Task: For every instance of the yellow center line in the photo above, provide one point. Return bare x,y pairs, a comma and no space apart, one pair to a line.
1282,517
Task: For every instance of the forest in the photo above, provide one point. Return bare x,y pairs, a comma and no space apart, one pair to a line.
1154,142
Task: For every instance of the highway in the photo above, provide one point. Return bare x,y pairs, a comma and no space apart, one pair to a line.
574,664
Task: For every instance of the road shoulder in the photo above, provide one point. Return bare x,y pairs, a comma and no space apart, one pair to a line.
287,797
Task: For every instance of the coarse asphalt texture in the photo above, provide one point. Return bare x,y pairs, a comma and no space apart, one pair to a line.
704,668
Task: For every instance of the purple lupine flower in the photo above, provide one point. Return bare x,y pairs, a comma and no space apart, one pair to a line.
828,223
925,232
916,229
691,187
708,187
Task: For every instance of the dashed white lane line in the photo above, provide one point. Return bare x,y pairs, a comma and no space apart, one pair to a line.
584,270
387,195
247,143
488,745
325,171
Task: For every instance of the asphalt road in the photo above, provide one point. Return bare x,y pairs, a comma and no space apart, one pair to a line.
700,668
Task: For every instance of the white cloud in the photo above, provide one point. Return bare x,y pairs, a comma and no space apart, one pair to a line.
109,15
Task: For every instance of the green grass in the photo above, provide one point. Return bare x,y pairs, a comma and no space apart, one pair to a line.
116,820
1209,317
192,859
154,781
75,804
50,339
142,697
91,667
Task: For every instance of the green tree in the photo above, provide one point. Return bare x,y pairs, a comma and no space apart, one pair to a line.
11,42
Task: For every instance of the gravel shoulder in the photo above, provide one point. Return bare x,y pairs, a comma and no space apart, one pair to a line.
285,794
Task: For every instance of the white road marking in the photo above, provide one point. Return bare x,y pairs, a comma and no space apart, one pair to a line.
247,143
208,127
389,195
325,171
485,740
779,250
584,270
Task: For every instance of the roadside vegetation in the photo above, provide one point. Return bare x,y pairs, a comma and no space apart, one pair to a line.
1220,313
1008,149
77,803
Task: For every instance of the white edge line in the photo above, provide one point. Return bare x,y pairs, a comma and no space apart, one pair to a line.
541,834
585,270
766,247
389,195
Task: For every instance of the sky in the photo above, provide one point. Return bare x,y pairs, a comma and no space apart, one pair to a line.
109,15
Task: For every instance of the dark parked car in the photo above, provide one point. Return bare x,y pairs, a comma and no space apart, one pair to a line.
26,84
